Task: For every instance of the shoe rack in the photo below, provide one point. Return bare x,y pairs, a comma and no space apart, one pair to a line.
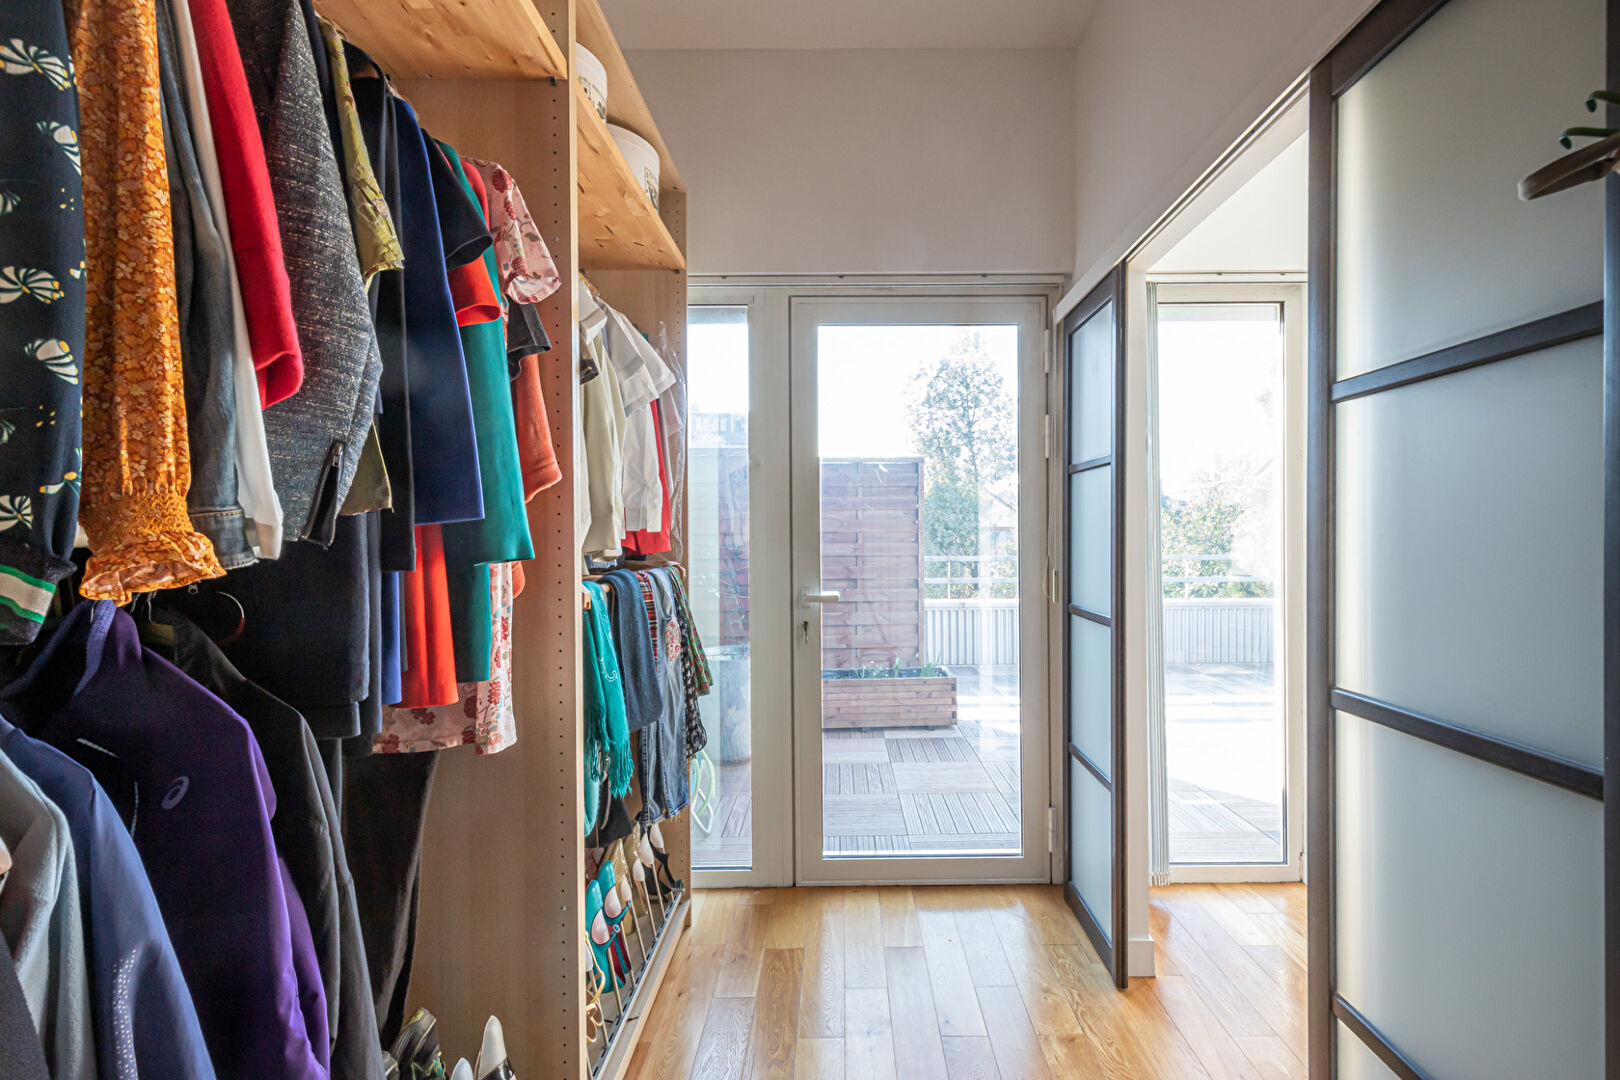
501,927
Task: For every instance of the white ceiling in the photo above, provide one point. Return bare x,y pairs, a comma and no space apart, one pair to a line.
848,24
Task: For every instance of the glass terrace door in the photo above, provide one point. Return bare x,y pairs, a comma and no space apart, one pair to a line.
918,560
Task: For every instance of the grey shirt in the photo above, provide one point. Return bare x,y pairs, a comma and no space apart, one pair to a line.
42,925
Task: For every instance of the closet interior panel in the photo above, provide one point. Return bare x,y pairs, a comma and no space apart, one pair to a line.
501,928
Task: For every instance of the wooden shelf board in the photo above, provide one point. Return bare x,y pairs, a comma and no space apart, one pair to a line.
626,106
619,229
451,39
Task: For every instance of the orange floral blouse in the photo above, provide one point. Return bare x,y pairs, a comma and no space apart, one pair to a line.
137,467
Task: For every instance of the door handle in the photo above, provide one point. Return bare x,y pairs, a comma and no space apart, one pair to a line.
830,596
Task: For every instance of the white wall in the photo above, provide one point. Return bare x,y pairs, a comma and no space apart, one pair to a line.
1261,228
1163,87
827,161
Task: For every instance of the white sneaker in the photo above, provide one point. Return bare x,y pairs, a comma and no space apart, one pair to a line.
492,1063
462,1071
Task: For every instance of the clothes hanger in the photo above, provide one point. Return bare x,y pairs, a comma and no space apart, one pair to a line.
199,607
1582,166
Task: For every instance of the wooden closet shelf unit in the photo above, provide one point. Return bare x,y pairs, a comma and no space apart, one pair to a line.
619,228
501,926
452,39
626,107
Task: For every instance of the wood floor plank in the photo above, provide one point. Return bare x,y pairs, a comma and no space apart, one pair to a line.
1159,927
938,897
819,1059
1044,997
1286,935
1054,923
868,1038
776,1015
899,917
1095,1001
1233,919
821,997
1287,899
786,929
985,993
1248,899
723,1050
1216,1050
675,1024
949,975
1070,1057
982,945
970,1059
1287,974
1268,999
1272,1058
912,1017
1228,1001
758,896
863,940
1012,1037
745,951
713,923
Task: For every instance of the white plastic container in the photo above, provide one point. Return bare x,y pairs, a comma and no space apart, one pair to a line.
641,157
592,76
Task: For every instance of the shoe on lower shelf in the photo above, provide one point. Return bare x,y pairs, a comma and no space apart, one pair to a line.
492,1061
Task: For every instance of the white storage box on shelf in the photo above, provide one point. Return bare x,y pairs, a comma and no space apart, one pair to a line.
592,74
642,158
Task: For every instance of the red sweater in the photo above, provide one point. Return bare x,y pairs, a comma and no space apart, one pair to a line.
255,235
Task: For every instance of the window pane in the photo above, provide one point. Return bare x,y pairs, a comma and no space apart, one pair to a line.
1470,909
1470,549
1091,417
1091,843
722,817
917,435
1220,432
1434,245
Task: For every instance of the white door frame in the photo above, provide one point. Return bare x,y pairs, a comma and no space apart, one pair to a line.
958,306
1290,294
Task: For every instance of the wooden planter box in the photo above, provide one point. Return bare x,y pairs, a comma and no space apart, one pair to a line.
907,701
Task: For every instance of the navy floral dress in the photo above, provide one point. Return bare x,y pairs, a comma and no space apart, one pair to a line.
41,313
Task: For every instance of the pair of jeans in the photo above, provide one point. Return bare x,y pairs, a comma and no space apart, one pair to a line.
665,782
207,331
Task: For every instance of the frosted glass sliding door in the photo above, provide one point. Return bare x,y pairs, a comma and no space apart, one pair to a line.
1095,887
1456,704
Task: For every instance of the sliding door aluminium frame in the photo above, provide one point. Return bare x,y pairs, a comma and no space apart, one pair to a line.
1109,291
1380,32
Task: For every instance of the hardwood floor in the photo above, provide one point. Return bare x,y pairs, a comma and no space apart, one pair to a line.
975,982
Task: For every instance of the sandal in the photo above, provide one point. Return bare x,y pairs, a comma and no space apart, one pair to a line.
666,881
596,926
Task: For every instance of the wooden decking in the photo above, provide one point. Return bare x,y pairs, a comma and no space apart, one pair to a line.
956,789
981,982
1225,750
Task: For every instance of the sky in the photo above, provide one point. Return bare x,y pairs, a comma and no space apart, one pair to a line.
1220,388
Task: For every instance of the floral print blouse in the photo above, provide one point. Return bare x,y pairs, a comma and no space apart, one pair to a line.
528,272
137,468
483,716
